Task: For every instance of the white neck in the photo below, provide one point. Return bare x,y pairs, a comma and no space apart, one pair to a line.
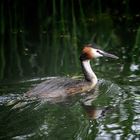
88,72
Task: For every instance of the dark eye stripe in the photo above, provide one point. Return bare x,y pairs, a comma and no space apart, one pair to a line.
99,52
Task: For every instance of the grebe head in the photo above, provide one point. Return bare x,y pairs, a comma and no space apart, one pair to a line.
91,51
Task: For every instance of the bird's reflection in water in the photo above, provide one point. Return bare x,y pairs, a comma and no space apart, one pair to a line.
91,110
94,112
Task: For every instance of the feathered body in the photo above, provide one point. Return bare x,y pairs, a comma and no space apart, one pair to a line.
63,87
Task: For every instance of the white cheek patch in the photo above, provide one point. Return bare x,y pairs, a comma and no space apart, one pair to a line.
95,53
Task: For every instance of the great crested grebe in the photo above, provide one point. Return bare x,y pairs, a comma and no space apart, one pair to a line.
63,87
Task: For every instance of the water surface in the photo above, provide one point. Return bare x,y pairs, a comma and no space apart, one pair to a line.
112,112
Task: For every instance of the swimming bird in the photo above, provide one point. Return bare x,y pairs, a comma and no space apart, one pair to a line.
63,87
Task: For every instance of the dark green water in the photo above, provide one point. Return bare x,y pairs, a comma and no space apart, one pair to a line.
116,109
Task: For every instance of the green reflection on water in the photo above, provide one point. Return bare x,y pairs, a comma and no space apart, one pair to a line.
40,41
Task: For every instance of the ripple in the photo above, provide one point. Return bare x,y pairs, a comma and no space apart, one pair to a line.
8,98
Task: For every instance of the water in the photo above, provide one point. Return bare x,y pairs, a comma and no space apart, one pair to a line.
41,39
112,112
